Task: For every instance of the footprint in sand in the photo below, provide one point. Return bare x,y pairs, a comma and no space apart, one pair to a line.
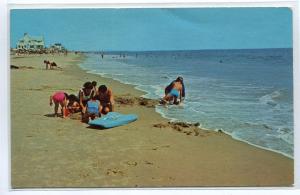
114,172
148,163
131,163
84,174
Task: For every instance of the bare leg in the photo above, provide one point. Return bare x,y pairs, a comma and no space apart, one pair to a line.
168,98
105,110
63,109
111,108
56,104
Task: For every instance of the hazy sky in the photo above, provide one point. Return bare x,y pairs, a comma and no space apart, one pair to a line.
156,29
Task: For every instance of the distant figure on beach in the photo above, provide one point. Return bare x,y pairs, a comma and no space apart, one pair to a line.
59,98
47,63
102,55
170,86
52,65
93,110
106,98
174,91
73,105
85,94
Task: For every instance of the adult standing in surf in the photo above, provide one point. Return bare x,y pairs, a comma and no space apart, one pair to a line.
170,86
175,91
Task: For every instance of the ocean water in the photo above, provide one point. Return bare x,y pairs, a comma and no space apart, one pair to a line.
246,93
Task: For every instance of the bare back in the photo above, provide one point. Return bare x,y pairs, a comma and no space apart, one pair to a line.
177,85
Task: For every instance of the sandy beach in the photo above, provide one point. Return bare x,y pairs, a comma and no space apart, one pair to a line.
51,152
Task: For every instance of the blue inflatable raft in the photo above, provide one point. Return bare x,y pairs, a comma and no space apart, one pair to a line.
113,119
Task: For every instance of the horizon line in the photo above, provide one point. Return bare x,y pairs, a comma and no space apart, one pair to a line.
165,50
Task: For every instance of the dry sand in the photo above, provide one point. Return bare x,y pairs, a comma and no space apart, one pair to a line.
55,152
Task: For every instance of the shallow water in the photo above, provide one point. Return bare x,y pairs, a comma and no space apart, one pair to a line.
246,93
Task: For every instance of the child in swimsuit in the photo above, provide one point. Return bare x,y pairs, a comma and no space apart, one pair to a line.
85,94
59,98
93,109
73,104
106,98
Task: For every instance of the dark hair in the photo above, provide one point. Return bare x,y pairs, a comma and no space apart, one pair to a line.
73,98
67,96
94,83
179,79
102,88
88,85
94,97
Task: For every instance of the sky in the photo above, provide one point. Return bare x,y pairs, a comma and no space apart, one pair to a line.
156,29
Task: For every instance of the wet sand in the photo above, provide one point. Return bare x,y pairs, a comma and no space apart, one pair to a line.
51,152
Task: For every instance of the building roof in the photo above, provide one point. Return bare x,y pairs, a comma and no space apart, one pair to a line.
32,38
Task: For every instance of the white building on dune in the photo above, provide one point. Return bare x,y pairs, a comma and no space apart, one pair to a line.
57,47
31,43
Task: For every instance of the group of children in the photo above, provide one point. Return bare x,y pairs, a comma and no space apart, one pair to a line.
90,101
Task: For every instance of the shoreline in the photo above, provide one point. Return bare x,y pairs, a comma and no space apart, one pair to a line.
143,152
145,93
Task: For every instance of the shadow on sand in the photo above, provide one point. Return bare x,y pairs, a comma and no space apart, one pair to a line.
50,115
96,128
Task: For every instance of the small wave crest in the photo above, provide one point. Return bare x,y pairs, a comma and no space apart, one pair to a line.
272,98
286,134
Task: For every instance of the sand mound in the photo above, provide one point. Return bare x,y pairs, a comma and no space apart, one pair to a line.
187,128
126,100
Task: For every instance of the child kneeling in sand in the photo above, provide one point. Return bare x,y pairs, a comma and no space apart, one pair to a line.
92,111
73,104
59,98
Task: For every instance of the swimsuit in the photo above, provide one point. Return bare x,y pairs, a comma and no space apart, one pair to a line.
174,92
85,98
93,107
169,88
58,96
